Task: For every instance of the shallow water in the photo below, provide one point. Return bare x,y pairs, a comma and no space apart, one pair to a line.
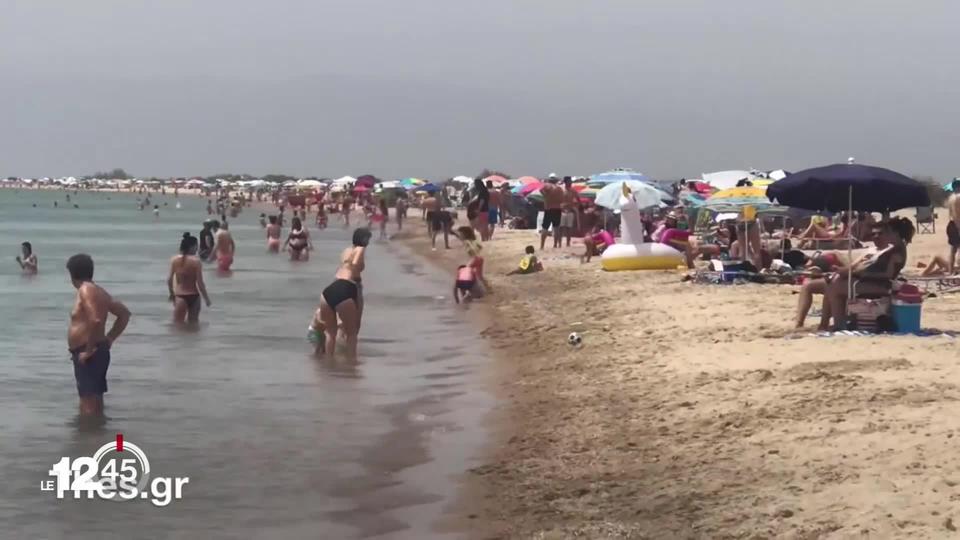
276,443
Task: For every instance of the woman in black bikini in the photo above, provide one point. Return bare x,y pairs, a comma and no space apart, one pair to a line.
341,299
185,282
298,240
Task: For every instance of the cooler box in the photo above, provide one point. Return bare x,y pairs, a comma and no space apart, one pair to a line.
906,317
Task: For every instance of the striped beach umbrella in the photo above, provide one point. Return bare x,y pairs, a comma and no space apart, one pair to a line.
733,199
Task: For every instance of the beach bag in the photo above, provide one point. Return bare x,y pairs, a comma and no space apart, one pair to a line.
870,314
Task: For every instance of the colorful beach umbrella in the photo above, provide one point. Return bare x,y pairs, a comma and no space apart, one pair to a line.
948,187
733,199
496,179
646,196
527,179
526,189
410,183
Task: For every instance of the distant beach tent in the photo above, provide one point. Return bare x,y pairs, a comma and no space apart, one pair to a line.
389,185
310,184
462,180
727,179
343,180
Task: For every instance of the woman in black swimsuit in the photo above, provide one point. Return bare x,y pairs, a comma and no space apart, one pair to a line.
298,240
185,282
341,299
872,276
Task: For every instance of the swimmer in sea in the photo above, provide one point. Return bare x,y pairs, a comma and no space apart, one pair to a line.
316,333
206,240
156,212
28,263
263,221
273,235
224,247
185,282
298,240
340,300
87,340
379,216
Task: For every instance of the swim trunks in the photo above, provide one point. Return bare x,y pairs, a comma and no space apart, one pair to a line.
551,218
568,219
224,261
493,216
433,218
953,235
340,291
91,375
190,299
465,285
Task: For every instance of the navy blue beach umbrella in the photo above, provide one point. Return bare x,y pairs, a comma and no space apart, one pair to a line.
873,189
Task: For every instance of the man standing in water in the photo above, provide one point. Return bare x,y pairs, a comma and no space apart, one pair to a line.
206,241
89,346
28,263
224,247
552,211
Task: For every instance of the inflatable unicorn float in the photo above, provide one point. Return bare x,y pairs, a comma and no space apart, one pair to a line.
631,252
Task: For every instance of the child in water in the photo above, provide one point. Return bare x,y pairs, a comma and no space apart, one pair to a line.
463,285
316,334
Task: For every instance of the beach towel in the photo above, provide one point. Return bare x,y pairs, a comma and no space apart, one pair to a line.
925,332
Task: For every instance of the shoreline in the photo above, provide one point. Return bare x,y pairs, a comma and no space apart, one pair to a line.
692,410
469,512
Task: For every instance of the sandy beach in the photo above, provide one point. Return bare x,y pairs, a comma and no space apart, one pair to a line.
691,412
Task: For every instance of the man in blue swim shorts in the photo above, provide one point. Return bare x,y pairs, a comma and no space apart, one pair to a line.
89,346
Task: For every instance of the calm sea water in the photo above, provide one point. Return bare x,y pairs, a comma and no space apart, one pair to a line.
277,444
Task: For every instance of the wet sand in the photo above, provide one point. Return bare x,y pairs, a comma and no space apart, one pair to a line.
691,411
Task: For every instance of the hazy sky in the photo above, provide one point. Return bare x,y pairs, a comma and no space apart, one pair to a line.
436,88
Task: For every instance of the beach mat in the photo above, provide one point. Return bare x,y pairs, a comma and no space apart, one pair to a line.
926,332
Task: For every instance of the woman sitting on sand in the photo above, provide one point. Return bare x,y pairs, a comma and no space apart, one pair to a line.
298,241
185,282
341,299
937,267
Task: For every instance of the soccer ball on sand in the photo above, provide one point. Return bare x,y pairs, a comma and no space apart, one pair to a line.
574,339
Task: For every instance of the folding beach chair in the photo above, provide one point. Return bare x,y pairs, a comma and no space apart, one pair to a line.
926,220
